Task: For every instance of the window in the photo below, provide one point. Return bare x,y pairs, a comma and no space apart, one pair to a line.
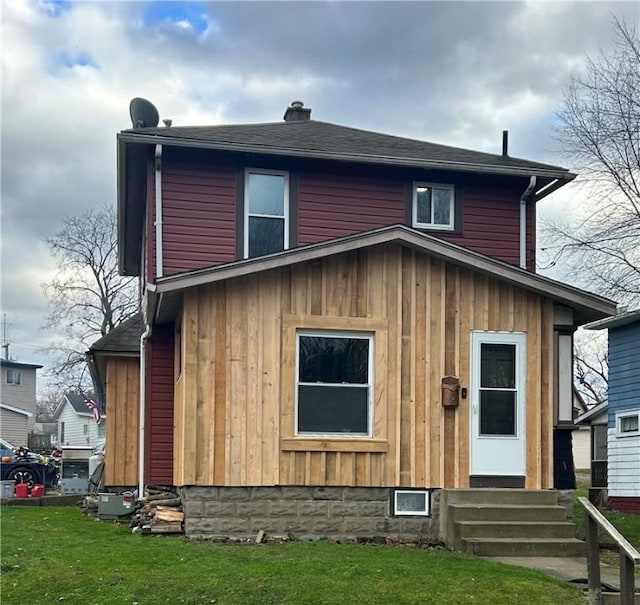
628,424
61,433
498,389
101,430
266,198
85,429
14,376
411,502
433,206
334,383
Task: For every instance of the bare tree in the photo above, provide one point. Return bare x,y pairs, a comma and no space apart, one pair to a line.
87,297
600,131
600,246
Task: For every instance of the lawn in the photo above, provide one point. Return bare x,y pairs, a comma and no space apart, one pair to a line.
628,525
57,555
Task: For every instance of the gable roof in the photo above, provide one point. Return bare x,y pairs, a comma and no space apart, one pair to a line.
586,306
77,404
593,413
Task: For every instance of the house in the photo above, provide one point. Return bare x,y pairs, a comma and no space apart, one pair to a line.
581,437
77,424
340,329
18,400
623,411
596,420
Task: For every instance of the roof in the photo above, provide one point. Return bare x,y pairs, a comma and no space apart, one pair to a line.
124,338
617,321
316,139
12,363
305,139
586,306
16,410
76,402
594,412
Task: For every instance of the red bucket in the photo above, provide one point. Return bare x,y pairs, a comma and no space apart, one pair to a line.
22,490
37,491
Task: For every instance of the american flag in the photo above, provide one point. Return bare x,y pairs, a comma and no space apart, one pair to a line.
93,406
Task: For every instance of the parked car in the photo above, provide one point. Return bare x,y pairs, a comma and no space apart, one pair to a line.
6,449
26,467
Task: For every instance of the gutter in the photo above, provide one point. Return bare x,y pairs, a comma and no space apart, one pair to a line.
523,221
158,223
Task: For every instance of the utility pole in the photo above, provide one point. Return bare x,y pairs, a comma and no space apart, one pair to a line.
5,342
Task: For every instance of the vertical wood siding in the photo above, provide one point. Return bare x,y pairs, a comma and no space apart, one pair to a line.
123,396
235,397
159,407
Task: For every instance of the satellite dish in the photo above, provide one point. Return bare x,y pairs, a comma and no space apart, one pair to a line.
143,113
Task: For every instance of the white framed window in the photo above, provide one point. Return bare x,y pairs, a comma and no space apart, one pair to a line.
411,502
433,206
628,424
334,383
14,376
266,215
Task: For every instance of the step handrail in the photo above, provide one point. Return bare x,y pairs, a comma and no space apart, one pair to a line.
629,556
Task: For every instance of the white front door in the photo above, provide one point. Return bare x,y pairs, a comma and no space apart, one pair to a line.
498,423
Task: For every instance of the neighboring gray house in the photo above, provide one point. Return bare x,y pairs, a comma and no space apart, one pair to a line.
580,438
76,424
18,400
623,421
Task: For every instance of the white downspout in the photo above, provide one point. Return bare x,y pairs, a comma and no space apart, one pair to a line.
158,223
523,221
143,390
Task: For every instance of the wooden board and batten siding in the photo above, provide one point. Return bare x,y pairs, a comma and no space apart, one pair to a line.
235,387
122,397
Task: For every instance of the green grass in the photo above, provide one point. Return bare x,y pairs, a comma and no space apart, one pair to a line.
57,555
628,525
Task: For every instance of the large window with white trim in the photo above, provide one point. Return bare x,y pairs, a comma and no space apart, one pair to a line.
433,206
266,217
334,382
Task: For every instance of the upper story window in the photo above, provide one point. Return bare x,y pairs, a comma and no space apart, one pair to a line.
14,376
334,383
266,212
433,206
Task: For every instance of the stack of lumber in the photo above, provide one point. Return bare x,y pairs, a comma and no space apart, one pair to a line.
159,512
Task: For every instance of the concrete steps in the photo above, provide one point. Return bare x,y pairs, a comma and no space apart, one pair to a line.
508,523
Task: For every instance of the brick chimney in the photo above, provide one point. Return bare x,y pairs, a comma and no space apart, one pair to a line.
297,112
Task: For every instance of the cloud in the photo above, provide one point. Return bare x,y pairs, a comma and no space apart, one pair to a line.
451,72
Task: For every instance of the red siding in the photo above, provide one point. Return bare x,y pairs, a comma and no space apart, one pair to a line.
159,403
625,504
199,215
335,206
490,224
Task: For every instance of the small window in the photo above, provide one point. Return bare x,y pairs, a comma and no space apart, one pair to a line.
628,424
266,212
61,433
334,383
14,376
433,206
101,430
85,429
411,502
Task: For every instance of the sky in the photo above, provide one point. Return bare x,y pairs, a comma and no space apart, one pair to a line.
456,73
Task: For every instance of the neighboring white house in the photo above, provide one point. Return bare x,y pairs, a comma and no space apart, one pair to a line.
18,400
76,424
581,437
